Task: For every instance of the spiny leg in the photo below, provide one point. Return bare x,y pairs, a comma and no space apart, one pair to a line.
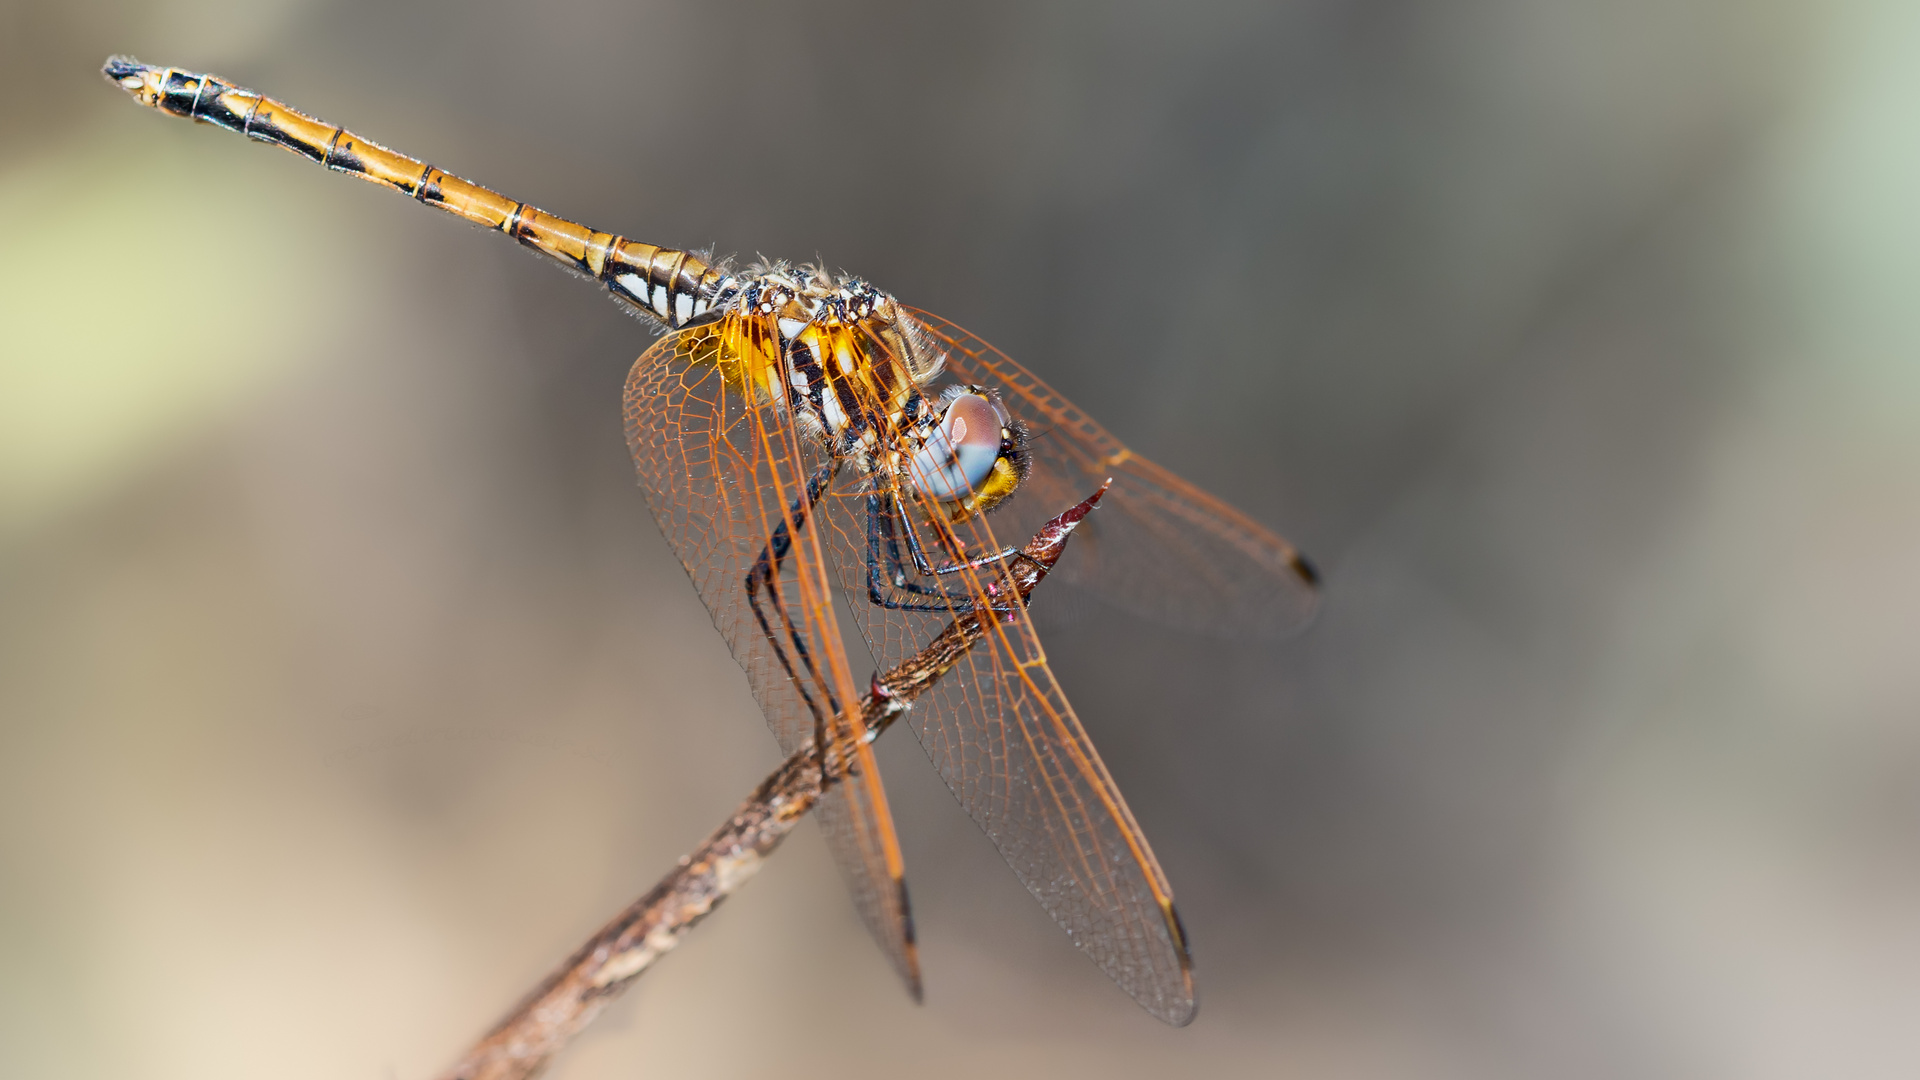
883,547
925,565
765,575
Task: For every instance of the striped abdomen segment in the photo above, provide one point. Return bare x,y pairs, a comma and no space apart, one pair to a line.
673,286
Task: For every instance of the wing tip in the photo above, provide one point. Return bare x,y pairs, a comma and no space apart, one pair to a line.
909,947
1311,581
1304,567
1180,1011
1181,1014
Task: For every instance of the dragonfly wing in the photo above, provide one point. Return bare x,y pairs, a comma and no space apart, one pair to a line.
1006,741
1009,746
726,477
1159,545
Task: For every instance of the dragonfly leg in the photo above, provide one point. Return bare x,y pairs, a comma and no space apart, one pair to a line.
887,570
925,565
763,592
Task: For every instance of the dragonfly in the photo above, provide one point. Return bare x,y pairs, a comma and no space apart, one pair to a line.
810,445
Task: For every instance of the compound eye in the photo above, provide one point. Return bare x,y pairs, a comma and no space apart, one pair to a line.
959,456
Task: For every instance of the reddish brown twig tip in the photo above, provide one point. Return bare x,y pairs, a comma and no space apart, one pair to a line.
1051,540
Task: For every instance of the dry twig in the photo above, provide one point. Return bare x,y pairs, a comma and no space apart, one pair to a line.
564,1003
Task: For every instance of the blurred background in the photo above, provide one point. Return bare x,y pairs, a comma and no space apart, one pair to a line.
346,684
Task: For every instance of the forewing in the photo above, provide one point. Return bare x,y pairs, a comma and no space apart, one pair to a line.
725,475
1006,741
1159,545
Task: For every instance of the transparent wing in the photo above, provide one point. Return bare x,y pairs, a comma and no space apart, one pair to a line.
727,478
1003,736
1159,545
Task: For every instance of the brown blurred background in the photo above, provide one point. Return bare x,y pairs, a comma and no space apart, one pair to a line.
345,683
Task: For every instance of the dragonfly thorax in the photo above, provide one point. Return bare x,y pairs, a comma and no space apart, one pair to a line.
853,370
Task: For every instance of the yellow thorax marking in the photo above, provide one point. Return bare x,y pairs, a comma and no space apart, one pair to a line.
747,350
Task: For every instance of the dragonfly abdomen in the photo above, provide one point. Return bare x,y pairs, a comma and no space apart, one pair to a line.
675,287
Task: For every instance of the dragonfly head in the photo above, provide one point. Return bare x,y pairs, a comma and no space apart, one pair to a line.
972,453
